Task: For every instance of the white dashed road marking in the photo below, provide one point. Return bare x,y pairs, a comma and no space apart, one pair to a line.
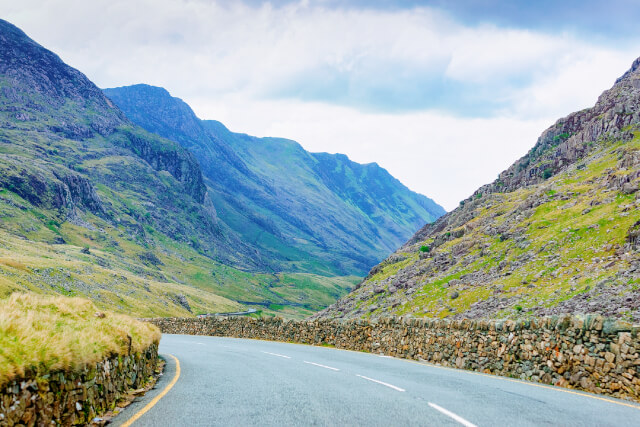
322,366
276,354
380,382
450,414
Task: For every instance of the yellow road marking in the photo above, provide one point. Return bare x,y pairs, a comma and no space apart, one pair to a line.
155,400
432,365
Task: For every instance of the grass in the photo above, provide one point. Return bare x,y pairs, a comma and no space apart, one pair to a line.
39,334
115,278
14,264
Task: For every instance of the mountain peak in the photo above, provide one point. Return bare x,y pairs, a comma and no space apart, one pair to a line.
633,71
39,82
150,90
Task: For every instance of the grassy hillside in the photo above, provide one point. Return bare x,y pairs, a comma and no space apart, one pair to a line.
41,334
163,279
556,233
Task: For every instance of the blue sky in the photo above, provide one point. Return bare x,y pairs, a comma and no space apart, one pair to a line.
444,94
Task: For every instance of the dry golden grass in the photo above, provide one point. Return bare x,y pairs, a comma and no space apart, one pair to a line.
14,264
40,334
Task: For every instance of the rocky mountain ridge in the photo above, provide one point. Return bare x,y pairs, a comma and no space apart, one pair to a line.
557,232
280,198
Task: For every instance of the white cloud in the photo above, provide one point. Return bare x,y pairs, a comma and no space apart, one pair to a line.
228,59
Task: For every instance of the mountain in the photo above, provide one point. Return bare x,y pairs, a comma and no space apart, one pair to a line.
93,205
557,232
313,212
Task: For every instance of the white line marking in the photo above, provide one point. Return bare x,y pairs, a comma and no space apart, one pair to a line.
380,382
276,354
322,366
450,414
200,343
386,357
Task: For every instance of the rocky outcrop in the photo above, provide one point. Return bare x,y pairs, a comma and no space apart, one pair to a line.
78,191
163,155
46,187
75,397
590,353
571,138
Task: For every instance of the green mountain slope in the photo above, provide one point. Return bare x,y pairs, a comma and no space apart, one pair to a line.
557,232
314,212
93,205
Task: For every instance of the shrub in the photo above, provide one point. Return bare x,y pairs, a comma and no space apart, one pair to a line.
562,137
546,174
425,248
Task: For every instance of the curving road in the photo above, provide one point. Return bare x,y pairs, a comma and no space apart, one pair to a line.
237,382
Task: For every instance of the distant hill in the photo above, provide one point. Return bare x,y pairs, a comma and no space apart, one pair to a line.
312,212
557,232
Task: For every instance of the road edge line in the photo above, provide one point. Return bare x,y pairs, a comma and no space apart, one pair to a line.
156,399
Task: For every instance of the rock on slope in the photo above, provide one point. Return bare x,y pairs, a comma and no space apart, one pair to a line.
313,212
557,232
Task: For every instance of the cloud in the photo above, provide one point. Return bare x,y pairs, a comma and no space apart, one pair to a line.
372,60
424,91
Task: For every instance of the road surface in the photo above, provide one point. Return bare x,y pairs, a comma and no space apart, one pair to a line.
238,382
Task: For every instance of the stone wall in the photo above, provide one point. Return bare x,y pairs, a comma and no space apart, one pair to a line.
588,353
77,396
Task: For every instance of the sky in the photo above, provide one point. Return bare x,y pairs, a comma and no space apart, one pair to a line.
444,95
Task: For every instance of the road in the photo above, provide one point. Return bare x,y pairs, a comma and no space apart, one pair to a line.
238,382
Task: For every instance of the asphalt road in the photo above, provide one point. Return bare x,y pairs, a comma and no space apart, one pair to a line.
237,382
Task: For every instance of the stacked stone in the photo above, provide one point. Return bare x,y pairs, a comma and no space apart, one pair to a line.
589,353
76,396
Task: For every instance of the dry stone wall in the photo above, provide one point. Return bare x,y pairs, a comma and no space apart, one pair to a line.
74,397
589,353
